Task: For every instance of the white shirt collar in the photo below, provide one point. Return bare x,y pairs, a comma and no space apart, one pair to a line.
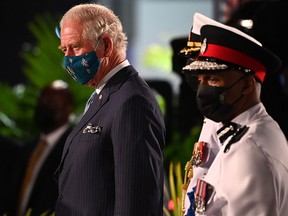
111,73
52,137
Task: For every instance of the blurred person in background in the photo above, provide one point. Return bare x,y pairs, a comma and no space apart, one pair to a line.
38,190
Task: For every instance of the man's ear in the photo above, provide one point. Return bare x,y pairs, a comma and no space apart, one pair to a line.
250,84
108,45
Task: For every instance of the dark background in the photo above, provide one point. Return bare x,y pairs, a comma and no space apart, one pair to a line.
270,18
14,17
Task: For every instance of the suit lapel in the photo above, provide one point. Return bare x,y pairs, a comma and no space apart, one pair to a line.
100,100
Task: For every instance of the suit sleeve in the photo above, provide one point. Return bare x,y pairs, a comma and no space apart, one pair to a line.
138,141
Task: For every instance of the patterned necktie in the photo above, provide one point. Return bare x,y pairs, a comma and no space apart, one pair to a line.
30,169
90,101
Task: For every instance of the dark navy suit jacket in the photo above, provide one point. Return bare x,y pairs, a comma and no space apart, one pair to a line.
112,162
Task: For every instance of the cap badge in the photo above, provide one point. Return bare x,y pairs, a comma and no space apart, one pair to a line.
203,46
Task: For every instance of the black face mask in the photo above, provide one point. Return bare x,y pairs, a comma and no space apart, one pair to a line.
210,101
45,118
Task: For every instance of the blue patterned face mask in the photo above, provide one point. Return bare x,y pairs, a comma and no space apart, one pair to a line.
82,68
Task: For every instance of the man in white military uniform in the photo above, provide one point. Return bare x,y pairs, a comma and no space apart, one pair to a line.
250,172
207,137
194,168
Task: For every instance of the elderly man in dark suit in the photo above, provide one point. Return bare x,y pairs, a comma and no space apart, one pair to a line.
112,162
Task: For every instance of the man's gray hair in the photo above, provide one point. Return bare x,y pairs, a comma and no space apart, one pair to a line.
97,20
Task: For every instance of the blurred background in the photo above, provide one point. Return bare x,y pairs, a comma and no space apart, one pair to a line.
157,30
32,58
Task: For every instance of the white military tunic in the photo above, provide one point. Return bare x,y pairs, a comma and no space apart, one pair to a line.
251,178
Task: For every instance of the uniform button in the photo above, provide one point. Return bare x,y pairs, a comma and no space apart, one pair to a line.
60,197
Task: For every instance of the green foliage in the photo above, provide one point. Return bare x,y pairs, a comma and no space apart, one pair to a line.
42,65
175,192
180,150
161,101
176,154
16,110
44,62
46,213
157,57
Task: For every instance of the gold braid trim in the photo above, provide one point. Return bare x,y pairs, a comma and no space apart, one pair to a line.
187,178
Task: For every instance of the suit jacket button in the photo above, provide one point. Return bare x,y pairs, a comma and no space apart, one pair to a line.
60,197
